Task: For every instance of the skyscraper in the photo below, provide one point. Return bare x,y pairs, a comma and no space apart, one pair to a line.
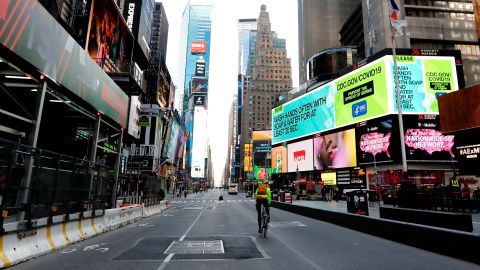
270,76
318,25
192,83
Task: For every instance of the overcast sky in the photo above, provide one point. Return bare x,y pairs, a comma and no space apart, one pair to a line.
224,56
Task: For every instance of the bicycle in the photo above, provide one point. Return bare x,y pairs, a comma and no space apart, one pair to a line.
264,219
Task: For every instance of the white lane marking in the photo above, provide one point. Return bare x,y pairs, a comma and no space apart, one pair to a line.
169,257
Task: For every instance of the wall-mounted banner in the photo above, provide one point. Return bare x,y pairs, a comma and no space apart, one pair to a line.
335,150
300,156
279,159
366,93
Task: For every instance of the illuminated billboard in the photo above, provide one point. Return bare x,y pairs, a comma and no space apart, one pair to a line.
134,117
424,141
199,85
377,141
367,93
300,156
198,47
336,150
261,140
139,14
199,149
110,42
62,61
247,160
279,159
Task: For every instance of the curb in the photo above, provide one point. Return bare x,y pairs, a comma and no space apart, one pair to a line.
460,245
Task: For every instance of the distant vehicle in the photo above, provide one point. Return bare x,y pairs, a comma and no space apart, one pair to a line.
232,189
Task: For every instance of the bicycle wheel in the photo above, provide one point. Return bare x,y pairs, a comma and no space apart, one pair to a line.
264,222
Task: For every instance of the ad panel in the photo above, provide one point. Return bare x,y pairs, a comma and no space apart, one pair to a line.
422,79
424,141
377,141
63,61
279,159
145,26
110,42
199,149
300,155
199,100
329,178
261,140
200,69
467,151
199,85
312,113
362,94
336,150
198,47
247,160
172,140
134,117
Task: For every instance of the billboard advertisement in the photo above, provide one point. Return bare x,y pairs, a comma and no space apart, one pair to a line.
261,140
198,47
200,69
199,85
366,93
247,160
300,156
424,141
199,100
279,159
467,151
199,143
171,147
66,63
139,14
422,80
110,41
134,117
377,141
336,150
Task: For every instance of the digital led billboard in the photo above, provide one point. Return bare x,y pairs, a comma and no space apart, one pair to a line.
199,149
199,85
336,150
300,156
110,42
377,141
366,93
279,159
261,140
198,47
134,117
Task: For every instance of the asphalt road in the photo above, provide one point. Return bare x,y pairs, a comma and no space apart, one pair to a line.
200,232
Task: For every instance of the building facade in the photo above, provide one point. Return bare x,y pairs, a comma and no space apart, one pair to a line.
270,76
192,84
318,25
434,25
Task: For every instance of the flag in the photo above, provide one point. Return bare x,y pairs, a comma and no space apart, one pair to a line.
395,24
393,9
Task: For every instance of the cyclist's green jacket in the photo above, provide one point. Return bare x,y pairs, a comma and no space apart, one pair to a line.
269,196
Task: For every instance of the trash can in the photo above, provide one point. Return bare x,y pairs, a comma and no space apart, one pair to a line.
357,202
288,197
282,196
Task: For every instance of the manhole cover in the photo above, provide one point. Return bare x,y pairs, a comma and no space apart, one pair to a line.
196,247
192,208
286,224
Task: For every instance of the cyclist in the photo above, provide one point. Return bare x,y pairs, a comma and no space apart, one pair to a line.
263,196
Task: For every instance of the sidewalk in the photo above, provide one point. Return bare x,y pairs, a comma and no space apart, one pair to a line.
341,206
